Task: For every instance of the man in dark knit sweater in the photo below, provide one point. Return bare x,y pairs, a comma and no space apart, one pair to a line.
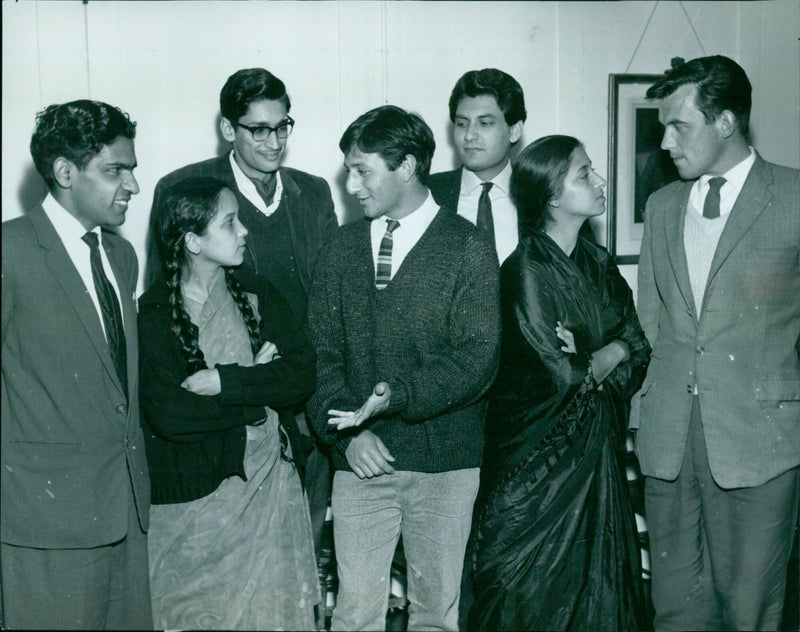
404,316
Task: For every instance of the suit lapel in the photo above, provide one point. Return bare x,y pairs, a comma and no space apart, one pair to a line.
752,200
64,272
675,218
453,190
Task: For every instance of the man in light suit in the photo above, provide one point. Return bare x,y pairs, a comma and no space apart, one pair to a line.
718,434
487,109
75,490
288,214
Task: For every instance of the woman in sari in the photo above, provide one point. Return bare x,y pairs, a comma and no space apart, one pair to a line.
222,364
557,544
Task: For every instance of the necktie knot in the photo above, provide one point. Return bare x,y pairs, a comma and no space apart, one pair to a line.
711,205
91,239
486,186
391,224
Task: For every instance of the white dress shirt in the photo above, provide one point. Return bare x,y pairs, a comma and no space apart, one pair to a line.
70,231
248,189
504,213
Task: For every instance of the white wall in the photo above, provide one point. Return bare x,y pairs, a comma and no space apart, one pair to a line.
165,62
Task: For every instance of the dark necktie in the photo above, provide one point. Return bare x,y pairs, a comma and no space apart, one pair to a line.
266,190
711,205
109,307
485,222
384,270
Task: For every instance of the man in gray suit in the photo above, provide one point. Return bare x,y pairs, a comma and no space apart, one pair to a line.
719,414
75,489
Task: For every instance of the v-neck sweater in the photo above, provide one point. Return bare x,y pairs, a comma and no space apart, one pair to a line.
433,334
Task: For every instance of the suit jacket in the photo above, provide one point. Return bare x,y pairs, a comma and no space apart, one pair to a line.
446,188
306,198
742,349
72,447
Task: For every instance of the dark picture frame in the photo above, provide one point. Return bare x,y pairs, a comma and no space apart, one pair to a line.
637,166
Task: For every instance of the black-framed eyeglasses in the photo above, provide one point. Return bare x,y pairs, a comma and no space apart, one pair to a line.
261,133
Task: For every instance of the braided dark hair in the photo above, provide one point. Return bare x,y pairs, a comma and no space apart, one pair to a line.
189,206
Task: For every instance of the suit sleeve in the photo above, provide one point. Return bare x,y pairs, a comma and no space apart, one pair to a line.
460,373
648,300
154,270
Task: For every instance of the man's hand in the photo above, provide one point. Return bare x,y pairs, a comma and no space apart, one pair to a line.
267,353
376,403
204,382
368,457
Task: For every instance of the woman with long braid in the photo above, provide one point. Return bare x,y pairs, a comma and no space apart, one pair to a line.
223,362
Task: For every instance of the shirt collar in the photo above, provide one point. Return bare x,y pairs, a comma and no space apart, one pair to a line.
470,182
248,189
68,228
420,218
736,175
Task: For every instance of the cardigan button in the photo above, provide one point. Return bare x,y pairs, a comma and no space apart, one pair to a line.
122,409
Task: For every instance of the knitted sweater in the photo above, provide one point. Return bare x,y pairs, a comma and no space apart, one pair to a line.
433,334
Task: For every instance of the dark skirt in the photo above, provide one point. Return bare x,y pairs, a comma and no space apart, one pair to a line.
557,544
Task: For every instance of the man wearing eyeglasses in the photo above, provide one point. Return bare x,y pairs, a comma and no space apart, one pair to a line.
288,213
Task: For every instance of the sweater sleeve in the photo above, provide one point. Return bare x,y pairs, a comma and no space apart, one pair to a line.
287,381
170,410
461,372
327,333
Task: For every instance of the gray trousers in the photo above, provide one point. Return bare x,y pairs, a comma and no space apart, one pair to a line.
719,557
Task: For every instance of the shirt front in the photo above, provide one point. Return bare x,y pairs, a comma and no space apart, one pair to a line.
504,213
728,193
70,231
248,189
405,236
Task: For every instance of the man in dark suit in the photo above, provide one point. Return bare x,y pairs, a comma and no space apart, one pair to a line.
718,418
487,109
75,490
288,214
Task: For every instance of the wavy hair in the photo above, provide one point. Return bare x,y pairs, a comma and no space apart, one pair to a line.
77,131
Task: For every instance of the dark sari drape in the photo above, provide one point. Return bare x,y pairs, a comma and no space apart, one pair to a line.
556,535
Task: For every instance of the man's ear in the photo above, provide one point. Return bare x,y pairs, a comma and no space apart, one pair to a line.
407,168
228,130
192,243
554,202
726,123
515,132
62,172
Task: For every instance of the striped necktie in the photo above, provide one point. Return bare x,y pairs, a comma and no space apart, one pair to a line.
384,271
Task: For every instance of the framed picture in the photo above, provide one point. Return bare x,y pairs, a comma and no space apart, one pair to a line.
637,165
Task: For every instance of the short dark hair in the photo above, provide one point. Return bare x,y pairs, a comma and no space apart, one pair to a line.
537,176
246,86
722,84
496,83
394,134
77,131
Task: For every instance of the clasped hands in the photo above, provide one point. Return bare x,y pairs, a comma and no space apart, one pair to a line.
366,453
207,382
